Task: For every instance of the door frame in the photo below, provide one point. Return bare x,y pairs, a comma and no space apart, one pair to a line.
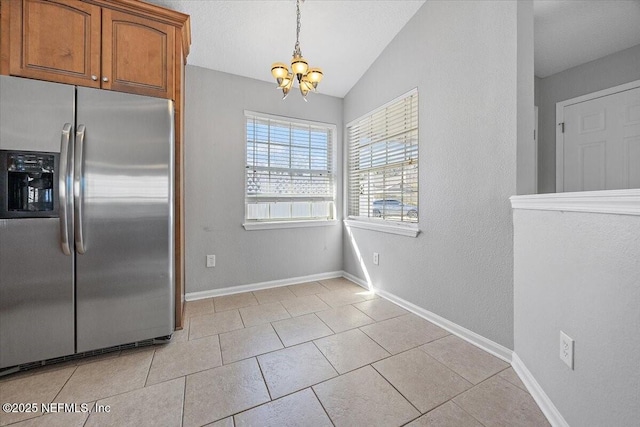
560,120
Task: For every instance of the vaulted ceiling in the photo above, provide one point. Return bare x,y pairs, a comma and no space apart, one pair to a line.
344,37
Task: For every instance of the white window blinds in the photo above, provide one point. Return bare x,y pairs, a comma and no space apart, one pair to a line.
383,162
289,169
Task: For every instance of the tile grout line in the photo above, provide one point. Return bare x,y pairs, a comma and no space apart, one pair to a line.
53,399
466,412
280,339
471,388
184,399
322,406
146,379
220,347
189,328
511,382
394,387
264,380
241,319
285,309
325,358
325,324
446,367
86,420
65,383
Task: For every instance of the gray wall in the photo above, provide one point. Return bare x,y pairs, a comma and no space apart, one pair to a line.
612,70
214,186
580,273
526,152
462,57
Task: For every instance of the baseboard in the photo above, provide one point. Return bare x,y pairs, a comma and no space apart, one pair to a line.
547,407
471,337
192,296
355,279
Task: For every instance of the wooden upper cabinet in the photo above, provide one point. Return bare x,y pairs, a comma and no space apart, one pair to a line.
91,43
56,40
137,54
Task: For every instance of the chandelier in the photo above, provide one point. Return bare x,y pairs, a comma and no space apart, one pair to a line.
308,78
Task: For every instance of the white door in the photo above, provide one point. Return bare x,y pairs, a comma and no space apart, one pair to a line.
602,143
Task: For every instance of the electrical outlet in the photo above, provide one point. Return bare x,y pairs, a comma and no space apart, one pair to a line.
376,258
566,349
211,260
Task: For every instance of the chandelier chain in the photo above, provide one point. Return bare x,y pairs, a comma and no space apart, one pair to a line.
308,78
296,50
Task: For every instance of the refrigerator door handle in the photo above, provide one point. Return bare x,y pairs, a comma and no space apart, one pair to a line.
64,178
77,189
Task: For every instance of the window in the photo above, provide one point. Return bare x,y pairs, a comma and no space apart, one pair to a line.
383,162
289,170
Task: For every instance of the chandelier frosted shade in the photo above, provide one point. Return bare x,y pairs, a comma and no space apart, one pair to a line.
279,70
315,75
299,66
308,78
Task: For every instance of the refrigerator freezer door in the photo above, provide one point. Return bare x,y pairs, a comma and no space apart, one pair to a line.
36,278
124,204
36,292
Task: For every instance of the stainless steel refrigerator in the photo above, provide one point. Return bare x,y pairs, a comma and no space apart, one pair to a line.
86,219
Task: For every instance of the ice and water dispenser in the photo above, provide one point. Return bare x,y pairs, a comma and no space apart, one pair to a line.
28,184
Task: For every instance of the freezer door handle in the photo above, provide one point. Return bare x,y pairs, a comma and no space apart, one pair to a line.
78,183
64,180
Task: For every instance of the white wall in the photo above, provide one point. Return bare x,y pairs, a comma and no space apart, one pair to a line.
214,186
462,56
580,273
612,70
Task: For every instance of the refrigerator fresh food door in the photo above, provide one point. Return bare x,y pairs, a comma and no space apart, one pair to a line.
123,193
36,277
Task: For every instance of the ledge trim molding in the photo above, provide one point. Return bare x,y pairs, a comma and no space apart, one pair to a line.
618,202
471,337
546,405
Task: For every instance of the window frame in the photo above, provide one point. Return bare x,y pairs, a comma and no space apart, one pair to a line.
409,229
270,224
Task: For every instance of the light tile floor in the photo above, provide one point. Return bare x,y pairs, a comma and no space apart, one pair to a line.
315,354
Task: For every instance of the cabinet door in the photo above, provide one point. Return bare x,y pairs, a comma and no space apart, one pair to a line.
138,55
56,40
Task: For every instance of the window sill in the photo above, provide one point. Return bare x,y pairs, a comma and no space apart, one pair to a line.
272,225
401,230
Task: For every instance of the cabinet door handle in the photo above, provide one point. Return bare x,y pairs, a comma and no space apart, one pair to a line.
94,77
105,79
